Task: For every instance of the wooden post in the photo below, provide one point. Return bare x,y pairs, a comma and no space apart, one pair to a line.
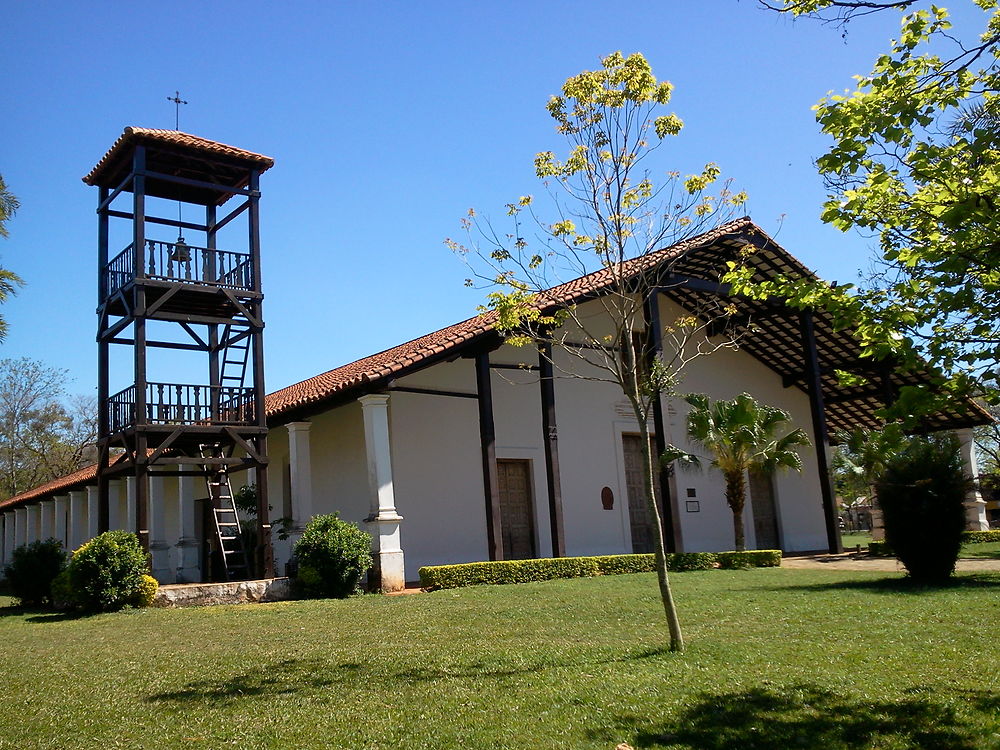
654,350
550,437
487,437
103,368
814,386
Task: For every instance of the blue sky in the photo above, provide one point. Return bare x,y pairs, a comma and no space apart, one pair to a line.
387,122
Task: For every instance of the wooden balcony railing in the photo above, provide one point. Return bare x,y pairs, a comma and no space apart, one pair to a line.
172,261
173,403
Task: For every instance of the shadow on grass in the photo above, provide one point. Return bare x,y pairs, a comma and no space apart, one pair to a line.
902,584
301,675
809,716
40,614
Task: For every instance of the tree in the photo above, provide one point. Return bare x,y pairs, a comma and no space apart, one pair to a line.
915,160
43,435
611,219
9,281
741,436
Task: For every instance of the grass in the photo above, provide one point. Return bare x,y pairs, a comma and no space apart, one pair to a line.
851,540
776,658
985,551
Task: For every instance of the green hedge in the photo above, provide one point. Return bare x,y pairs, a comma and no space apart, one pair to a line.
981,537
755,558
545,569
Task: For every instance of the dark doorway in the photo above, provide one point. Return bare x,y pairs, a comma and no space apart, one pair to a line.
517,511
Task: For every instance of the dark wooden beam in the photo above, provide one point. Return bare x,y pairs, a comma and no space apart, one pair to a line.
106,199
161,345
487,438
814,387
654,350
158,220
230,216
524,367
431,391
550,436
196,183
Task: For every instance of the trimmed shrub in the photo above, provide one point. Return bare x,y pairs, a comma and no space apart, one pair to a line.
680,562
333,558
880,548
545,569
981,537
751,558
508,571
107,572
613,565
922,495
32,569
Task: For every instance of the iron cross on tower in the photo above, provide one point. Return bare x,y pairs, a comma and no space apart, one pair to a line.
176,99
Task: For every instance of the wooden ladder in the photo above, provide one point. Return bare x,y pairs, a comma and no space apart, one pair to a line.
227,520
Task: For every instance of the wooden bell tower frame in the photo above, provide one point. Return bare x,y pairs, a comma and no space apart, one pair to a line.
211,296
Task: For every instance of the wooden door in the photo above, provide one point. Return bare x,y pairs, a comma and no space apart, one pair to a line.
765,514
640,521
517,513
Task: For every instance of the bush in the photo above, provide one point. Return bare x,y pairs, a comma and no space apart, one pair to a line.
62,591
613,565
922,494
754,558
32,569
146,593
333,557
107,572
981,537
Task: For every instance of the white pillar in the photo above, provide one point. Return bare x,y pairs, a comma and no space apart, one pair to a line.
75,535
975,506
20,527
383,521
31,527
116,489
300,475
8,535
163,570
47,509
93,513
61,507
187,543
130,505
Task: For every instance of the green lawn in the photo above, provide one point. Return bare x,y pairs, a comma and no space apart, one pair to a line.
988,551
777,659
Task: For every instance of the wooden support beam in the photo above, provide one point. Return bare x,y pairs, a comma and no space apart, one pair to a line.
229,217
550,436
487,438
195,183
430,391
523,367
654,351
158,220
814,387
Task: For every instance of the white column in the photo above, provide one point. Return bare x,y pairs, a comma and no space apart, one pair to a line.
76,534
31,527
383,521
61,508
163,570
300,475
116,489
187,544
20,527
9,523
47,509
975,506
93,513
130,505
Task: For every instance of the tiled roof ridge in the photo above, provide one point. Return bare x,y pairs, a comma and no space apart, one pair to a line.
178,138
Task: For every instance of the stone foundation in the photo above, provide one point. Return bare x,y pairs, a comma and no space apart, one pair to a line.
235,592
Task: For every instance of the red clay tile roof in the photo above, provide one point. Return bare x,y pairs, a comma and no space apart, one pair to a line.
133,135
392,361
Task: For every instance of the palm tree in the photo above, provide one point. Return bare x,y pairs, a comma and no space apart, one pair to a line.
9,281
741,436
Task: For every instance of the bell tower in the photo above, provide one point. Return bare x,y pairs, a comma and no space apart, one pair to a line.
180,331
